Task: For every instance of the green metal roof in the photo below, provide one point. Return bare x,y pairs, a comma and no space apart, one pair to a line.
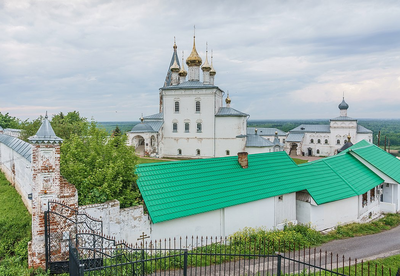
177,189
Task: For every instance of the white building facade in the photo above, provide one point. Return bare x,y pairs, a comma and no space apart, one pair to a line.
326,140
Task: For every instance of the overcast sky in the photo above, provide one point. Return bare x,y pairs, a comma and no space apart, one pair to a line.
278,59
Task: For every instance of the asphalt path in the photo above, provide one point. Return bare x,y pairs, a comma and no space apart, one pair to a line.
368,247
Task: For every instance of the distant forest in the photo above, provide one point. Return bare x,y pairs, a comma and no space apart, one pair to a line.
388,127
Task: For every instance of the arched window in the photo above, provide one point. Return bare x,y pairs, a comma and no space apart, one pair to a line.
179,152
338,142
176,107
199,127
174,127
312,141
317,151
227,152
186,127
197,106
326,141
319,141
197,152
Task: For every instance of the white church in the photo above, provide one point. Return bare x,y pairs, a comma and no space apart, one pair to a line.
193,122
326,140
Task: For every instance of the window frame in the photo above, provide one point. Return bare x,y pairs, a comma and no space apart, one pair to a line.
187,127
174,127
197,106
176,107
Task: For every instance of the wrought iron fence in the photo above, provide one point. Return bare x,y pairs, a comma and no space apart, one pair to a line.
99,255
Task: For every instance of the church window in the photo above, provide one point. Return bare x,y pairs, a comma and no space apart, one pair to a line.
228,152
197,152
174,127
312,141
198,127
197,106
345,141
283,140
338,142
317,151
176,107
326,141
319,141
179,152
186,127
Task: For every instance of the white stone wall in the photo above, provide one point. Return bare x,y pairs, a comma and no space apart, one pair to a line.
18,171
227,128
285,209
124,224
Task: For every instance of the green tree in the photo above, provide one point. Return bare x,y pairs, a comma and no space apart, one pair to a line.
29,128
117,131
66,125
101,167
7,121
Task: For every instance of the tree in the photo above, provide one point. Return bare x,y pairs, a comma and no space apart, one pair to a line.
66,125
117,131
101,167
7,121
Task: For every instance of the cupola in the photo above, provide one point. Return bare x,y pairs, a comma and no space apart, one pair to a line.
175,70
182,73
212,71
343,106
194,61
228,101
206,69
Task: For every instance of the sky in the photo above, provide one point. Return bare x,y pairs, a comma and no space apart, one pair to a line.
278,59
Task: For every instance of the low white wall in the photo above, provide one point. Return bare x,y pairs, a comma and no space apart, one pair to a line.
21,176
387,207
124,224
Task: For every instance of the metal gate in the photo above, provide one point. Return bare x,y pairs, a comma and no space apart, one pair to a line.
62,223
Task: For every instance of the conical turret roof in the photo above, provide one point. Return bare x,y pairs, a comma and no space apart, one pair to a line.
45,134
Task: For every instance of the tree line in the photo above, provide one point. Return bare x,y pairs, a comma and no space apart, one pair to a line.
101,166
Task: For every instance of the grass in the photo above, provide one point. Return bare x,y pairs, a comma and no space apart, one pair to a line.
299,161
15,232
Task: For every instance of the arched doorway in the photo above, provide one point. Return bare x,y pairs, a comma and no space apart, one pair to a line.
138,143
293,149
309,151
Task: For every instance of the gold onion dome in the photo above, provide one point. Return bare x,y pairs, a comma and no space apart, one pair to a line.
175,66
212,71
182,72
194,59
228,100
206,66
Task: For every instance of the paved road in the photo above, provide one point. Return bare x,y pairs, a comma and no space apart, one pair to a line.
367,247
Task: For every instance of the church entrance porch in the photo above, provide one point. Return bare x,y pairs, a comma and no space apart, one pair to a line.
293,149
309,152
139,143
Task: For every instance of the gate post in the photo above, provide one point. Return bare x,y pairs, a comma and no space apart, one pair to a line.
185,261
279,268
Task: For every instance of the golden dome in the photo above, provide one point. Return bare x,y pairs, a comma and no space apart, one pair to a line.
182,72
206,66
194,59
175,66
212,71
228,100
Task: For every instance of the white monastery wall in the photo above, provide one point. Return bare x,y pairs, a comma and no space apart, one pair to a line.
18,171
252,150
124,224
226,130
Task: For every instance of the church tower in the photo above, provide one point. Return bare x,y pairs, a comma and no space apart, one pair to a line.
343,106
212,71
194,62
206,69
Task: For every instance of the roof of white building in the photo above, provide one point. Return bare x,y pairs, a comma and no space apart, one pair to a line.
343,118
158,116
361,129
312,128
295,137
256,141
21,147
265,131
177,189
190,85
45,134
230,112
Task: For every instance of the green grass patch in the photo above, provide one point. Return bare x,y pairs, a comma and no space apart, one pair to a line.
299,161
15,232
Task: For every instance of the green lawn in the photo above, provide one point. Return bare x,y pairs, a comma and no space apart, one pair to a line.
299,161
15,232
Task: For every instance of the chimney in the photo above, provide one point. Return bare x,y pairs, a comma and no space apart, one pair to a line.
243,160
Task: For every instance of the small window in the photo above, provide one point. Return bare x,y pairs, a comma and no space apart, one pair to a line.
283,140
174,127
280,198
197,106
345,141
228,152
197,152
317,151
319,141
176,107
312,141
364,199
179,152
326,141
198,127
372,194
186,127
338,142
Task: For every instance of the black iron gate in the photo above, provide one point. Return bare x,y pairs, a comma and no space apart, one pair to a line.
62,223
